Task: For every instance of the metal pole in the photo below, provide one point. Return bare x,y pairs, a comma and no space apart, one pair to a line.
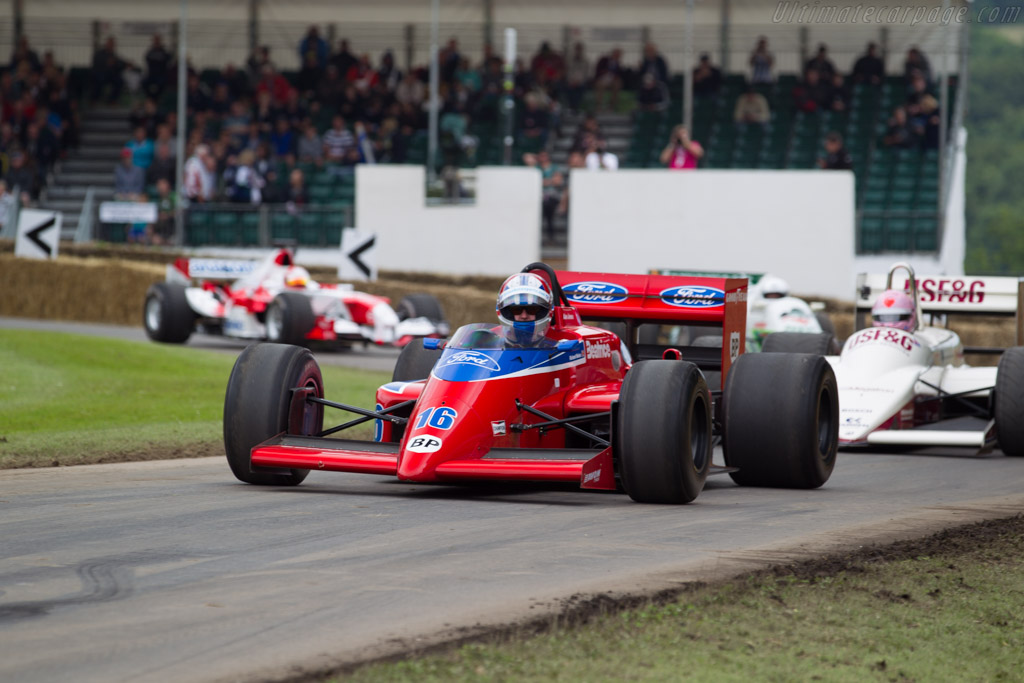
179,161
432,133
509,83
254,26
19,20
488,23
943,118
723,36
688,70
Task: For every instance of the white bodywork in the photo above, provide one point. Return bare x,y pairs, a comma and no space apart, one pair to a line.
766,316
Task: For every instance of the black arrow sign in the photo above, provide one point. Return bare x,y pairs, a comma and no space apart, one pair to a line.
354,256
35,232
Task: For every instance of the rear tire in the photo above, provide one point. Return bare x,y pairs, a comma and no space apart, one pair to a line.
664,432
289,319
258,402
415,362
1009,402
166,314
420,306
781,420
825,322
820,343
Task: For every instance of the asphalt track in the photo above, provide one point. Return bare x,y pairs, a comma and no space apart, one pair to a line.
173,570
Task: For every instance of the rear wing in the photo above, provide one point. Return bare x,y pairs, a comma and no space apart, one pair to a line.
715,302
941,294
753,278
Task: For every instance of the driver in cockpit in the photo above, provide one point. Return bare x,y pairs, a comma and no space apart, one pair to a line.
524,310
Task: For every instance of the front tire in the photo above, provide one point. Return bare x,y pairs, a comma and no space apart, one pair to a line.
420,306
289,319
166,314
415,362
781,420
664,432
1009,402
258,405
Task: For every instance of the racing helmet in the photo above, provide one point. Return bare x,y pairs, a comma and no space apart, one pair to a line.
894,308
773,287
296,276
529,292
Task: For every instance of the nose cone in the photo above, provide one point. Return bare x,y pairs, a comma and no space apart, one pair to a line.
441,430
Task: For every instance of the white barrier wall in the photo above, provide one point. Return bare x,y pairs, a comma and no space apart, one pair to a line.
497,235
798,225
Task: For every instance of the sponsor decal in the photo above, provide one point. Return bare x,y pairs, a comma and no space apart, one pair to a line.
473,358
733,297
498,428
595,292
207,268
693,296
734,346
884,335
424,444
956,290
378,425
599,350
592,476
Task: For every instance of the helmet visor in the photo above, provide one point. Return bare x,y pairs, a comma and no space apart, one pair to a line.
512,311
891,317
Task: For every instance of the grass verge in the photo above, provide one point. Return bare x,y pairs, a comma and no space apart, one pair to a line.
71,400
946,608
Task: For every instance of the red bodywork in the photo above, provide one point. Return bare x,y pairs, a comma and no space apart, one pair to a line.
475,427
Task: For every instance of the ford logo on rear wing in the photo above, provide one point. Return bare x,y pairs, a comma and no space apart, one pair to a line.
693,296
595,292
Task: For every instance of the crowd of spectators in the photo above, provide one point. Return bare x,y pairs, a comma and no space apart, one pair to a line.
38,121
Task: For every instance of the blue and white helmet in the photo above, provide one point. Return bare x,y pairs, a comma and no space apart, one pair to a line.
524,291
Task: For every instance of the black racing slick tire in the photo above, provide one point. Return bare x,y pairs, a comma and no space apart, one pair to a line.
825,322
414,362
420,306
166,314
259,404
1009,402
820,343
663,432
289,319
780,417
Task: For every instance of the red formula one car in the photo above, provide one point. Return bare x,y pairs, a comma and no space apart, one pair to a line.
576,408
275,299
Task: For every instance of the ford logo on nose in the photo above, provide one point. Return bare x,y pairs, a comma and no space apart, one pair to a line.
476,358
693,296
595,292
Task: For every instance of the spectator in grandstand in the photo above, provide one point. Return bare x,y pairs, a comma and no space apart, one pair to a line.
21,177
275,84
869,67
467,77
23,53
812,94
410,90
552,184
141,148
448,61
42,148
220,101
158,61
653,94
166,201
535,122
237,122
282,141
836,157
577,77
309,76
296,196
330,88
547,66
294,110
589,127
6,204
598,157
751,107
199,183
387,143
916,63
839,94
265,113
919,89
129,179
145,113
362,75
257,60
108,72
246,184
609,78
388,74
821,63
352,104
577,160
197,95
237,82
310,148
899,133
761,62
163,166
707,79
681,152
339,144
313,50
926,123
343,59
652,62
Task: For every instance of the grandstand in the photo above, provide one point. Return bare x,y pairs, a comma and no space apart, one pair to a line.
900,195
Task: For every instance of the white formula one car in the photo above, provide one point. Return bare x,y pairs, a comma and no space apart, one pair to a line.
910,387
770,309
276,300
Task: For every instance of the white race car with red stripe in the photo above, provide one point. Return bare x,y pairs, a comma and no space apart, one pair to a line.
274,299
912,388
